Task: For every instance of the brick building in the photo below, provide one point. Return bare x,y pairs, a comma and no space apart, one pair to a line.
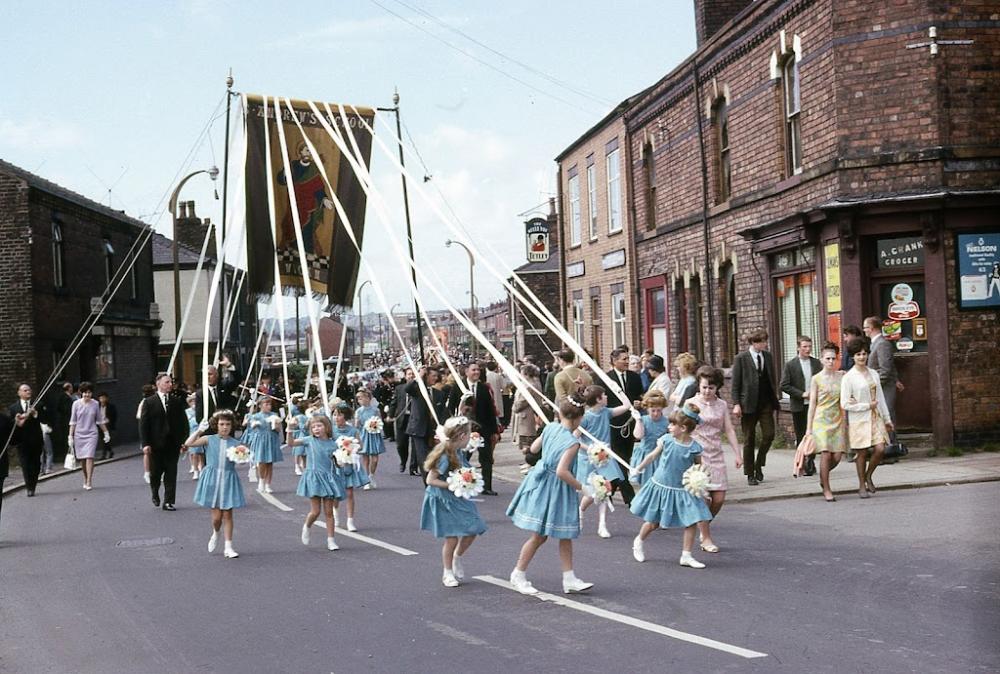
541,275
597,234
60,251
493,321
815,162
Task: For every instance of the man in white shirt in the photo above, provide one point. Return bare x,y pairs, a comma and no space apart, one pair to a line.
795,382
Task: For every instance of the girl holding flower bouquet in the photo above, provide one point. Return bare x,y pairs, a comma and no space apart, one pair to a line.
597,422
654,427
372,445
219,486
353,472
444,513
265,442
663,501
321,482
546,503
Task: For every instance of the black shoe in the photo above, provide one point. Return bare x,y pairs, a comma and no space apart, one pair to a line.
402,469
489,492
111,455
169,507
752,481
759,474
29,493
156,501
415,472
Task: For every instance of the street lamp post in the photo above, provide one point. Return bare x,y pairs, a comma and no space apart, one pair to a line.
361,325
213,173
392,320
472,286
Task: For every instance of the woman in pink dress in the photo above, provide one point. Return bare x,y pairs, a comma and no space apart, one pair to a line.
715,419
83,424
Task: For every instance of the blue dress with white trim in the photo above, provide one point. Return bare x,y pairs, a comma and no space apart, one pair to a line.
320,478
653,431
219,485
371,443
663,499
444,514
265,442
598,424
544,503
352,476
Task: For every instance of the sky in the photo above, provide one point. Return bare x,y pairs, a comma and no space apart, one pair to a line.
110,99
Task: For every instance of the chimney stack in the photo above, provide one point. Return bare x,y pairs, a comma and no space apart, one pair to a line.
711,15
191,230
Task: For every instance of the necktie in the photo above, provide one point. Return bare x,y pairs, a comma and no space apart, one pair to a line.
163,399
621,380
211,390
24,405
760,364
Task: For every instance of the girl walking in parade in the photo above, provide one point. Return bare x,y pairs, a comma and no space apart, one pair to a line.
597,422
372,443
219,486
663,501
353,472
546,502
196,455
649,430
443,513
265,442
321,482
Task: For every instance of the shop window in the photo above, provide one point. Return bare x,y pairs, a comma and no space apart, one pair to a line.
104,359
797,305
618,318
575,233
731,346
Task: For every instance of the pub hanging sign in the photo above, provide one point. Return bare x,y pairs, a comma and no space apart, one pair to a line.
907,251
537,239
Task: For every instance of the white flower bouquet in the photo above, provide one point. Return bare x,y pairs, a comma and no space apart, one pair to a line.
465,482
239,454
347,451
598,487
599,454
476,441
697,480
373,425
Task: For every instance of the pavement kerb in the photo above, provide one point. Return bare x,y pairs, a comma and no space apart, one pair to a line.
119,456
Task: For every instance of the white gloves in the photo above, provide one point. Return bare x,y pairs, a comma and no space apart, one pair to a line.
203,426
46,429
107,437
633,472
636,414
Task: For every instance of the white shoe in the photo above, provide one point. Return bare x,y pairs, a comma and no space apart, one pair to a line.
637,550
260,486
367,487
350,524
448,579
298,470
371,482
305,534
230,553
87,487
456,567
331,544
213,542
602,530
145,477
191,469
252,474
574,585
689,561
268,490
194,475
521,582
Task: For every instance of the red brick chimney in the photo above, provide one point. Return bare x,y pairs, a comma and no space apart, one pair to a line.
191,229
711,15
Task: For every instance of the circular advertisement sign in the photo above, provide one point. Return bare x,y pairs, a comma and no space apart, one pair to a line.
902,292
904,311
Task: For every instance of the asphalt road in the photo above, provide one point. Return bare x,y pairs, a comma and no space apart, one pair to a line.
102,582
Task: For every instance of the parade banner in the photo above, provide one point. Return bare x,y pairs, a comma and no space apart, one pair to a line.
332,259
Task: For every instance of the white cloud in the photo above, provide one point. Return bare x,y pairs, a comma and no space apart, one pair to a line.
39,135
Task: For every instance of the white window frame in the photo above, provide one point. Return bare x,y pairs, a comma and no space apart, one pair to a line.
575,227
592,199
614,192
618,318
791,104
578,320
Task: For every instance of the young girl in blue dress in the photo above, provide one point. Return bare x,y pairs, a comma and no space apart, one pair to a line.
654,426
265,442
196,455
354,474
597,422
219,486
300,423
321,482
249,432
444,514
546,502
663,501
372,444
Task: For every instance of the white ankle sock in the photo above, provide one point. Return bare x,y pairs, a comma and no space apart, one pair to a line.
568,576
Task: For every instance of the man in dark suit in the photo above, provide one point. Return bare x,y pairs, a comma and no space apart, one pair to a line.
163,428
399,411
421,425
755,397
220,396
795,381
629,383
27,439
384,393
484,412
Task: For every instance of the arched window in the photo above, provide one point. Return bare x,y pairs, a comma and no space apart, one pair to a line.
731,346
722,160
649,171
790,109
58,271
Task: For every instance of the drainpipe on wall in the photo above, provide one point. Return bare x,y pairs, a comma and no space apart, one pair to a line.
562,251
706,277
634,338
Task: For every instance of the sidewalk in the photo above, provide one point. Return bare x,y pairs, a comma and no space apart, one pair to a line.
908,473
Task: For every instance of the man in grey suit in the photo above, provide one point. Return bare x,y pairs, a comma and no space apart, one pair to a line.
755,397
795,381
880,359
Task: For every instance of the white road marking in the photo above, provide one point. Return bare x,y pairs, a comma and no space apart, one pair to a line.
632,622
367,539
275,502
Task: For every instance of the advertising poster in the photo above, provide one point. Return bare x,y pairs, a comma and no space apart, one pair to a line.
978,259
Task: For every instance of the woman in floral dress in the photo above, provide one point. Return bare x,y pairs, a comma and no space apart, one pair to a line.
827,424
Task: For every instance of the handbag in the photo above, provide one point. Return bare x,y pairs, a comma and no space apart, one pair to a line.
806,448
69,463
895,450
